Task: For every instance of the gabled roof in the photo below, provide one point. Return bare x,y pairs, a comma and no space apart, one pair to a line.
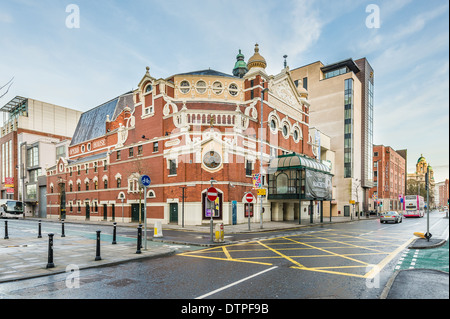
92,123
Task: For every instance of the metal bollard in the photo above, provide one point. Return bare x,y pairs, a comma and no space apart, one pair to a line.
39,230
62,228
50,263
139,240
6,230
97,254
114,234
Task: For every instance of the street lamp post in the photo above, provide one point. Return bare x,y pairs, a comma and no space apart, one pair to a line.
378,185
261,154
211,205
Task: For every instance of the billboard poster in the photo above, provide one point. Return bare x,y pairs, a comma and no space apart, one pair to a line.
318,185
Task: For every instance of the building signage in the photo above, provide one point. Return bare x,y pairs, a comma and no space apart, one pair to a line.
74,150
99,143
318,185
256,180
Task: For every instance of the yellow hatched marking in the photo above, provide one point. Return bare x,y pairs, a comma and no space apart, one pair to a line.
284,256
331,253
375,270
226,252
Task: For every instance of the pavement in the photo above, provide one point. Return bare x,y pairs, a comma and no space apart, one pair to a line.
24,258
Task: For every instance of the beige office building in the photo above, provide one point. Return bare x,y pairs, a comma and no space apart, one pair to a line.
341,97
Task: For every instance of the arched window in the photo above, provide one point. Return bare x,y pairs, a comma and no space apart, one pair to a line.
282,183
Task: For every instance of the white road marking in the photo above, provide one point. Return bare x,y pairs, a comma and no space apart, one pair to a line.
235,283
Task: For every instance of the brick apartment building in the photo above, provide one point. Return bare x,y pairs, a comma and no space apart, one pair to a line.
389,174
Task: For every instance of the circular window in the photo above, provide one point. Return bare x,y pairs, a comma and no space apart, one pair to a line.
148,88
217,87
233,89
89,146
82,148
185,87
212,159
201,87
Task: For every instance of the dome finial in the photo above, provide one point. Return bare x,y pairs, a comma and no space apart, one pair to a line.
256,60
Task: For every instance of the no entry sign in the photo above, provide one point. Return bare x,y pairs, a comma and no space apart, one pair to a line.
212,194
249,197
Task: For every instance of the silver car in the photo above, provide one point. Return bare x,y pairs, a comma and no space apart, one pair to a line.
391,216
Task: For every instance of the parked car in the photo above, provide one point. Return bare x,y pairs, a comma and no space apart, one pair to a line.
391,216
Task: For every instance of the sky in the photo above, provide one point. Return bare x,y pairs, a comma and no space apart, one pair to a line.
80,58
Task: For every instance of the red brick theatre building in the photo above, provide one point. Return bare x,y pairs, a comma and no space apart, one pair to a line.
186,132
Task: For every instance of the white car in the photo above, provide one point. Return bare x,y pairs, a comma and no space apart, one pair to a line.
391,216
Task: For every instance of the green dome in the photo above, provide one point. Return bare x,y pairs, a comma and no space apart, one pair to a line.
240,67
421,159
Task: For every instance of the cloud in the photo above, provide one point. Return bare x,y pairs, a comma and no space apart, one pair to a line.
5,18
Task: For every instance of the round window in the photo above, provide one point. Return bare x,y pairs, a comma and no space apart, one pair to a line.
217,87
233,89
201,87
185,87
148,88
212,159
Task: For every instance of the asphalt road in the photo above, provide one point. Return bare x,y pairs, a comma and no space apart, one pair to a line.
340,261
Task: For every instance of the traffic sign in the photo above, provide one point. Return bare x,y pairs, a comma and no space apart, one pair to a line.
249,197
261,192
145,180
212,194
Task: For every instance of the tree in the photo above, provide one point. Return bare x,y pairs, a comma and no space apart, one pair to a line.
9,83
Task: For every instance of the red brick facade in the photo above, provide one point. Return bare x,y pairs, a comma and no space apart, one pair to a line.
170,136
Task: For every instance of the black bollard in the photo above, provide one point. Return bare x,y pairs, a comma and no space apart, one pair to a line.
39,230
139,239
97,254
50,263
114,234
6,230
62,228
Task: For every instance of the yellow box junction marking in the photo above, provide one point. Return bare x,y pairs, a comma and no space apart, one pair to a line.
309,242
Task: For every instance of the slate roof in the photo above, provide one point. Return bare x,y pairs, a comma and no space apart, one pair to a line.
208,72
92,123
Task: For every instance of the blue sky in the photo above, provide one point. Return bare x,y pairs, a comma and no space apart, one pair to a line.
107,55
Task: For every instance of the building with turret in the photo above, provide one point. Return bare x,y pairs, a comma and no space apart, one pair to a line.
416,180
187,132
